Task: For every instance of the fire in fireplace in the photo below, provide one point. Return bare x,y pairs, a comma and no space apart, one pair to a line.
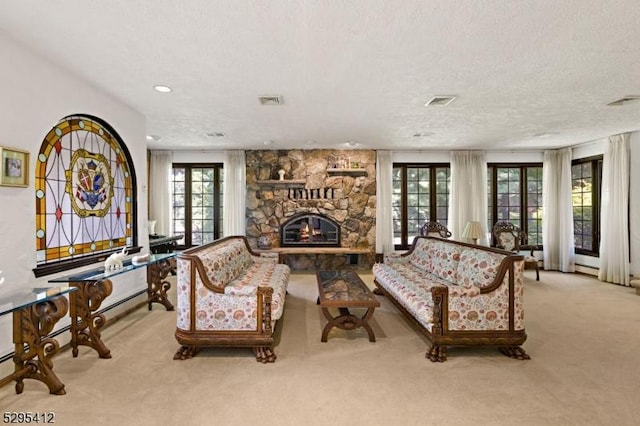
310,230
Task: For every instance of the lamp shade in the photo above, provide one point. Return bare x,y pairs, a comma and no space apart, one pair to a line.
472,230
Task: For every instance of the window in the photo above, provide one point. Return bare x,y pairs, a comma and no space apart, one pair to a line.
85,192
197,203
586,177
515,195
420,194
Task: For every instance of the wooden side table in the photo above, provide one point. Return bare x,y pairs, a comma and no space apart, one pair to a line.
95,285
35,313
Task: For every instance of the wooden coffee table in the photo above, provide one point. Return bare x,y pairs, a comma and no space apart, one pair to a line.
344,290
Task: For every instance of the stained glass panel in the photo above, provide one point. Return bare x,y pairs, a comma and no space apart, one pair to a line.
84,191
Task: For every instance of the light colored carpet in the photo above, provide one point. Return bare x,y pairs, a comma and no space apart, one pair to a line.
584,342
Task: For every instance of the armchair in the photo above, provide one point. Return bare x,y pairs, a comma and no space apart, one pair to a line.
435,229
509,237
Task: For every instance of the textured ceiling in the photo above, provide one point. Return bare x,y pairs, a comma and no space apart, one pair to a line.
527,74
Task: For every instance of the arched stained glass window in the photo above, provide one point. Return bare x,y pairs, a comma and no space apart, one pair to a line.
85,187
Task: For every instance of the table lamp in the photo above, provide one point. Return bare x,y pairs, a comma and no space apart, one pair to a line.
473,230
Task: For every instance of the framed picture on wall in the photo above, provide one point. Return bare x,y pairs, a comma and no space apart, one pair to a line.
14,167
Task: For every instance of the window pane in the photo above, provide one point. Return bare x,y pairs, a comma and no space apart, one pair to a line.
583,209
423,186
202,221
412,213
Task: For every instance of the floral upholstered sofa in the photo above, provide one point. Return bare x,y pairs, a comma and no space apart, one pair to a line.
458,294
229,295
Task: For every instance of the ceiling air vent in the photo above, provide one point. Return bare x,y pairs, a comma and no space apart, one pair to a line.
625,100
270,100
440,101
215,134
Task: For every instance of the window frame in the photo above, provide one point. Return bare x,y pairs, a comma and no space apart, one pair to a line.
217,200
596,188
492,177
433,197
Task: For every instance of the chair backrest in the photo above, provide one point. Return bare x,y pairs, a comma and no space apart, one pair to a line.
508,236
434,229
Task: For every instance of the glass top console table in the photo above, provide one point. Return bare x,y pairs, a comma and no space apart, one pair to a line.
35,313
95,285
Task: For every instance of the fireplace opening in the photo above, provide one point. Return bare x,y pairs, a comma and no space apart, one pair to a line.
310,230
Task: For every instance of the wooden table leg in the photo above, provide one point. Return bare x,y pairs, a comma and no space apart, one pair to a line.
157,286
33,349
85,324
347,321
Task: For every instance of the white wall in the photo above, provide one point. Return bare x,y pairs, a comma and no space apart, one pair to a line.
199,156
445,156
35,96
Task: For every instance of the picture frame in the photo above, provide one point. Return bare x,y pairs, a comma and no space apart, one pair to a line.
14,167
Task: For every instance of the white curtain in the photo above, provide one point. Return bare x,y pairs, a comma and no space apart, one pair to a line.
468,194
384,211
557,211
614,218
160,190
235,188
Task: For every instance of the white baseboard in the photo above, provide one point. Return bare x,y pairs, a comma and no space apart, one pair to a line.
589,270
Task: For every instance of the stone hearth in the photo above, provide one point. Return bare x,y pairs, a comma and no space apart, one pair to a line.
315,181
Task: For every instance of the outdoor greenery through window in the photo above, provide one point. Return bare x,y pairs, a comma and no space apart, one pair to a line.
515,195
197,203
586,176
420,194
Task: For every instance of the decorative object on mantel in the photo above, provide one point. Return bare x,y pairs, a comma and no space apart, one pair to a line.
281,174
114,261
1,278
473,230
265,241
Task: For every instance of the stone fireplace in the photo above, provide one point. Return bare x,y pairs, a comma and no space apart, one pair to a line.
321,189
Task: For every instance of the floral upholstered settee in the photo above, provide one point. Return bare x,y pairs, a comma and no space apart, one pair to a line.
229,295
458,294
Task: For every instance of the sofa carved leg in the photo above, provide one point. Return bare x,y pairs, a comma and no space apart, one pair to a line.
515,352
186,352
264,354
437,354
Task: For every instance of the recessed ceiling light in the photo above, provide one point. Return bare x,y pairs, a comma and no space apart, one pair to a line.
422,134
267,143
153,138
352,143
440,100
162,89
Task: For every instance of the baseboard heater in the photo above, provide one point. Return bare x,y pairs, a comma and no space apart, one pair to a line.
9,356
